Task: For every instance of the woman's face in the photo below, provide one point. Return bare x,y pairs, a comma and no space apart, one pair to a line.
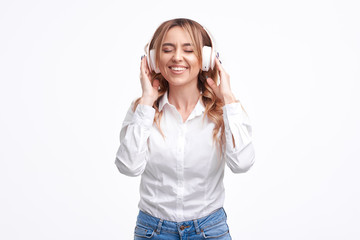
178,62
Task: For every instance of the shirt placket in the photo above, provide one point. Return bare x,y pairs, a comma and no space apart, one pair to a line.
180,170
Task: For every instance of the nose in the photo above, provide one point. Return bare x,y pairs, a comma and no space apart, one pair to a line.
177,55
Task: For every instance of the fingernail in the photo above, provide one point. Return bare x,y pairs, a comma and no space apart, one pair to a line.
142,57
217,54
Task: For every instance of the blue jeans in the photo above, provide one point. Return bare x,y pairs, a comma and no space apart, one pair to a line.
213,226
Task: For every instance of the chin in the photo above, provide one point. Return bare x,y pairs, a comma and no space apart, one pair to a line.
179,81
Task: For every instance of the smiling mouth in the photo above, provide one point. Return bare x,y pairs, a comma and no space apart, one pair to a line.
178,70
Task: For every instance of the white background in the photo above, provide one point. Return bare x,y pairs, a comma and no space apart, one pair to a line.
69,71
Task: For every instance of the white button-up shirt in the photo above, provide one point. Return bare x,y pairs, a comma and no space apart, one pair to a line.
182,174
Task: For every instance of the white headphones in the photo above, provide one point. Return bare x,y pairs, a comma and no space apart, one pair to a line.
208,56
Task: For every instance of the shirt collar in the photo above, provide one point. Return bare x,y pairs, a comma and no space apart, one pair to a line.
198,110
163,100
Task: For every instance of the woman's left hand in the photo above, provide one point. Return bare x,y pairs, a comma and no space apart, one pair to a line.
223,91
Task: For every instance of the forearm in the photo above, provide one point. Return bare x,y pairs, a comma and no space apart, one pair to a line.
132,155
239,150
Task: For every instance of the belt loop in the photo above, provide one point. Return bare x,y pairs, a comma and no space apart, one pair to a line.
196,226
159,226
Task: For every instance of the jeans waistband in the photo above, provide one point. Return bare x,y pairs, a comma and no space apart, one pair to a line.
171,226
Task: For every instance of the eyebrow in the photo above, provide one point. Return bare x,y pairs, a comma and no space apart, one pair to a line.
173,45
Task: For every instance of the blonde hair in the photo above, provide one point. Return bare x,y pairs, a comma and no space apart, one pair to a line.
213,105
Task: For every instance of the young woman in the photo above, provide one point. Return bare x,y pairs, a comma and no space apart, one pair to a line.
180,133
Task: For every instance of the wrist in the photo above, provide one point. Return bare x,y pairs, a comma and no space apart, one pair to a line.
229,98
145,100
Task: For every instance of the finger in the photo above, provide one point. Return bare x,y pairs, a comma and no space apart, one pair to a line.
143,75
142,64
146,66
156,83
213,86
218,65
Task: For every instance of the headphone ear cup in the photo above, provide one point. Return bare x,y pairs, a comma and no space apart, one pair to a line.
152,61
212,62
206,58
209,54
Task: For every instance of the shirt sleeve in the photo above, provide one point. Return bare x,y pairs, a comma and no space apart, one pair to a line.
132,155
238,132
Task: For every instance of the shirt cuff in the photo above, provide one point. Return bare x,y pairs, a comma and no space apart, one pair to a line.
144,115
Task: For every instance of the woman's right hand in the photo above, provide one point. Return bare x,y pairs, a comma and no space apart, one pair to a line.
149,91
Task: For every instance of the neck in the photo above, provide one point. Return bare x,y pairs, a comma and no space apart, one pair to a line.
184,98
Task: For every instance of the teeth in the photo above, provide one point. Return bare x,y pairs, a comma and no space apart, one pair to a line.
178,68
